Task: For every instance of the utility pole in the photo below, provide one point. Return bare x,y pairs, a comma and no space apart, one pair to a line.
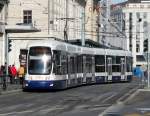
48,16
6,62
99,23
148,66
66,23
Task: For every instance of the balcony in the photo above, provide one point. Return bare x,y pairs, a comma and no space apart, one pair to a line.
2,3
21,28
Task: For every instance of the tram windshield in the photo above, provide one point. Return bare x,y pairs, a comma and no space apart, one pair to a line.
39,60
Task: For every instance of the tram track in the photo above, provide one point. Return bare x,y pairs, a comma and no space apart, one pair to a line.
111,110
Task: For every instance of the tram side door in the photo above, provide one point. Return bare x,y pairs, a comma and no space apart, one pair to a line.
84,69
93,68
68,70
122,68
109,68
72,67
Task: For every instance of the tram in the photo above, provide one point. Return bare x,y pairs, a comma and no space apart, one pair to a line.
53,64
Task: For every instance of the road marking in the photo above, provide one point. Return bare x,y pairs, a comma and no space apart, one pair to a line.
129,95
11,113
112,109
108,98
120,104
105,95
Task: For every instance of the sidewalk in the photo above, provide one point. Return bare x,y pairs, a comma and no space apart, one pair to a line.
138,104
10,88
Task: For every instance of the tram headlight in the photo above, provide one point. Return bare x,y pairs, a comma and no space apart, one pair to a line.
44,58
51,85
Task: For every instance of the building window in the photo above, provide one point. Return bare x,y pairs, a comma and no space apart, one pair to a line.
130,21
137,48
144,15
130,47
140,58
145,24
27,16
138,15
130,16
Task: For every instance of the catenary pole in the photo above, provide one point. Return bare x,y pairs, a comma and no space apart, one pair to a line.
48,16
148,68
83,27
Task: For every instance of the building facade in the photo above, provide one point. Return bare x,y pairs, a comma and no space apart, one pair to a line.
91,16
134,20
109,33
54,18
3,22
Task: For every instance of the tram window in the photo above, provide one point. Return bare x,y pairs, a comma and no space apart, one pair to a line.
100,59
100,68
129,64
113,59
57,62
99,63
116,68
60,65
89,64
36,51
64,62
118,59
79,64
72,67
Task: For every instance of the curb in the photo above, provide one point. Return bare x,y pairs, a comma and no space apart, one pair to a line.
136,93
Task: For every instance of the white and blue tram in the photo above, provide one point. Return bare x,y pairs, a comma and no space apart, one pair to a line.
54,64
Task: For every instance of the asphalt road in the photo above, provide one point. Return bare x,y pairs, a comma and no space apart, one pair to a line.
89,100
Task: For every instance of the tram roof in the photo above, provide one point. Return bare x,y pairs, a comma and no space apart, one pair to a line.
59,45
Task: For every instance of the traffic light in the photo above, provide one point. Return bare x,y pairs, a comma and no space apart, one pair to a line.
9,45
146,45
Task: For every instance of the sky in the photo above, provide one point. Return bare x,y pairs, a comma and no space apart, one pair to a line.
118,1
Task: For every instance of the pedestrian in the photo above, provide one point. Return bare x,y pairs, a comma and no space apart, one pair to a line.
21,73
10,74
1,74
3,69
13,73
